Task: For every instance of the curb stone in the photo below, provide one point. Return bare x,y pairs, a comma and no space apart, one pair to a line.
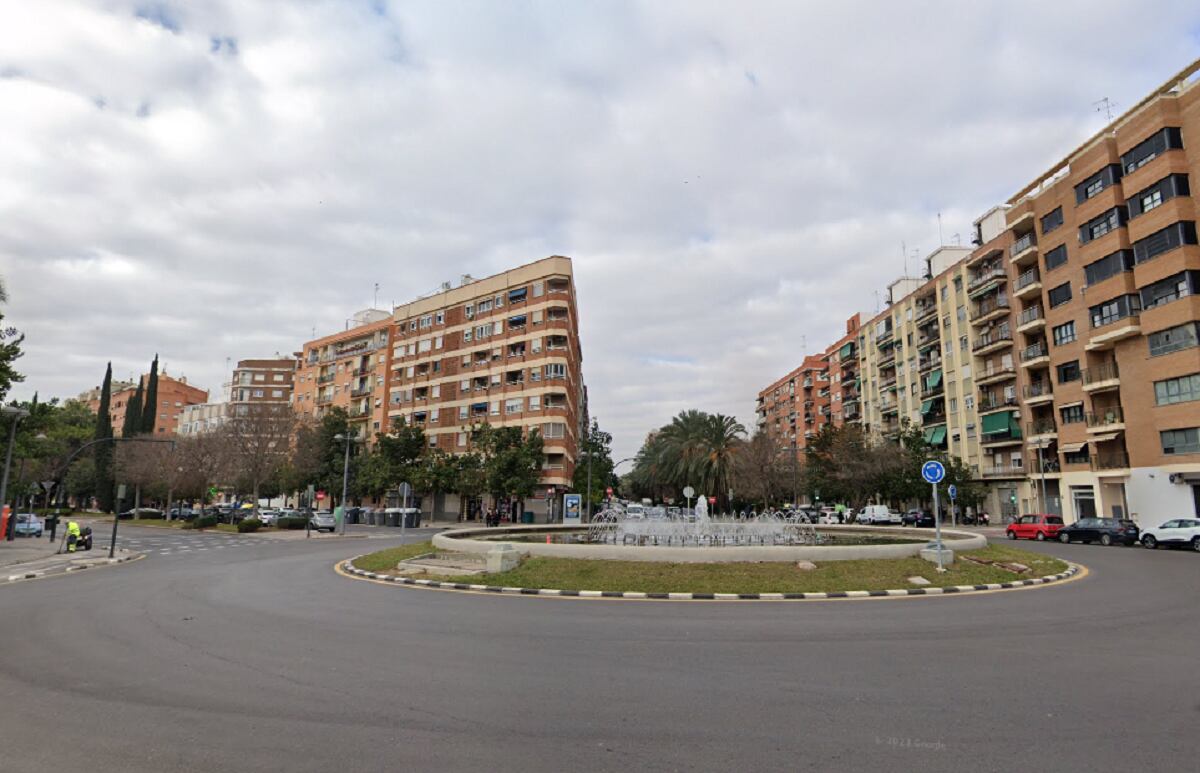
348,567
71,568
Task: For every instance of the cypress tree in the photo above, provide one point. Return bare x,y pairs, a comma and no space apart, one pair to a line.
150,404
133,414
104,483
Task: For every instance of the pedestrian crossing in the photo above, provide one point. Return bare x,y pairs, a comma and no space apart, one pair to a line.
189,545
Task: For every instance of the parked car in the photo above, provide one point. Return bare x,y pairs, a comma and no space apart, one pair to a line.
323,520
182,513
1181,532
268,517
143,512
880,515
27,525
1106,531
1037,526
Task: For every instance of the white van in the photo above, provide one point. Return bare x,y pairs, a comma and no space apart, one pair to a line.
877,514
635,512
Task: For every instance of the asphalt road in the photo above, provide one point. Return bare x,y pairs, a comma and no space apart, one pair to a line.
258,657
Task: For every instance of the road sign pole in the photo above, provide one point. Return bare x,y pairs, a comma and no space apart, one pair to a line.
112,544
937,526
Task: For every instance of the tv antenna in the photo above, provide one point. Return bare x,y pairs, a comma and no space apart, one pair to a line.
1105,106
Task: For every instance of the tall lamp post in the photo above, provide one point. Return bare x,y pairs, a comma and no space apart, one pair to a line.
348,439
17,414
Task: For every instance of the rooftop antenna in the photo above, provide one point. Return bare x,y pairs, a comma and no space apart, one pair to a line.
375,303
1104,105
903,252
957,239
941,241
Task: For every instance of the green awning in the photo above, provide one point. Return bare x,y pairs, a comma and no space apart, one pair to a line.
846,350
933,379
937,436
995,423
926,407
929,436
1014,425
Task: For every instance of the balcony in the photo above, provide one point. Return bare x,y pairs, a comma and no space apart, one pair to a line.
1101,378
1110,461
1003,471
1106,420
888,383
1027,283
1038,392
1041,429
932,391
988,279
1049,465
1023,249
1127,327
362,391
889,359
885,338
925,313
1033,356
889,409
358,413
324,399
989,309
989,403
325,378
995,375
992,342
1031,319
926,363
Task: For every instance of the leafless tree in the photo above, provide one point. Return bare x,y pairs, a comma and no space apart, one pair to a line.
259,440
206,461
762,470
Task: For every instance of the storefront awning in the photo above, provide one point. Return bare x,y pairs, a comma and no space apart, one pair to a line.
995,423
934,379
1072,448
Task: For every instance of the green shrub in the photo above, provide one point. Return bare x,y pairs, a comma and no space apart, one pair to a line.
203,522
290,522
248,525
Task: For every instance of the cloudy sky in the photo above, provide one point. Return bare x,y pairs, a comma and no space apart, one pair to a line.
215,180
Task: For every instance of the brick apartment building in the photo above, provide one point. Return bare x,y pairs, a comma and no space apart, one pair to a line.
348,369
502,350
174,395
1060,356
261,382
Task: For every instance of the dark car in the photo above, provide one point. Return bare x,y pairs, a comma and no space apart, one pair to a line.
922,519
1106,531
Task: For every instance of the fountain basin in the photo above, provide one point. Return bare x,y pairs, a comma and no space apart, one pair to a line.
482,540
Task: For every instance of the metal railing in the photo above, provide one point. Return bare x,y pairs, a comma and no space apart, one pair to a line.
1037,389
999,336
984,308
1022,244
987,274
1033,352
1027,278
1030,314
1003,471
1105,371
1106,417
1041,427
1003,370
1114,460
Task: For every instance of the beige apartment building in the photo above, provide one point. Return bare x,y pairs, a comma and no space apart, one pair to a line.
348,369
503,351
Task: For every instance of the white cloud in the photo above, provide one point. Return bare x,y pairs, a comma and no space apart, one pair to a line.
216,180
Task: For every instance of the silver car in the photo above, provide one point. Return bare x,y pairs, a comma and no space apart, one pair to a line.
323,520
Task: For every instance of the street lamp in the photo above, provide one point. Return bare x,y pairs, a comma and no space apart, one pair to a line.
17,414
348,440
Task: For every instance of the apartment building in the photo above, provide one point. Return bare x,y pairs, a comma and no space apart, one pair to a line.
348,369
794,408
202,417
845,401
1105,268
503,351
261,383
174,396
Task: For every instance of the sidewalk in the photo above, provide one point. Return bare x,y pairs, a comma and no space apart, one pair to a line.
27,558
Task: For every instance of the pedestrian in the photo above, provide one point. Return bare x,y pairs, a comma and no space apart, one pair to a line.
52,524
72,536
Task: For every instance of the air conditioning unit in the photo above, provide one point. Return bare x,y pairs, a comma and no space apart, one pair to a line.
1176,477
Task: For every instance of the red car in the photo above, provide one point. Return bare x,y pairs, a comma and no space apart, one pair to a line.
1038,527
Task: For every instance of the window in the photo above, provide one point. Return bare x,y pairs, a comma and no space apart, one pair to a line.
277,393
426,321
462,414
1056,257
437,342
1071,414
412,325
1150,148
1174,339
1064,333
958,284
1060,295
1172,288
556,370
1115,310
1110,265
435,414
1181,441
962,313
412,348
467,336
465,385
963,343
1183,232
513,405
278,377
535,402
424,345
433,441
539,289
411,371
1183,389
1102,224
554,430
969,402
495,408
461,440
1077,457
257,393
970,430
440,318
499,301
1097,182
1068,371
469,310
483,306
953,404
1052,220
435,391
945,292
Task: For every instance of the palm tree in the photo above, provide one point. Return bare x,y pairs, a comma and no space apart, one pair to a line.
696,449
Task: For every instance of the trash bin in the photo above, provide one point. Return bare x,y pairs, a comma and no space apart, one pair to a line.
352,514
527,516
380,518
412,518
393,516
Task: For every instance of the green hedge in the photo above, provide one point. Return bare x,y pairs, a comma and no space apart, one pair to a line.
202,522
290,523
248,525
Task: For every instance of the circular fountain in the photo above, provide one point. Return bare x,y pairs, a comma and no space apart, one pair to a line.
696,537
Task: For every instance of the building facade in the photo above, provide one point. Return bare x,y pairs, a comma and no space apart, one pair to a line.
1060,356
174,396
202,417
502,351
260,383
350,370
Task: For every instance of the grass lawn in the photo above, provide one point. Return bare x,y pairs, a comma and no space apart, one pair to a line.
386,560
772,577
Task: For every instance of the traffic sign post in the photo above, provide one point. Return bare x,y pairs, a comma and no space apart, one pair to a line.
952,490
933,472
688,493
